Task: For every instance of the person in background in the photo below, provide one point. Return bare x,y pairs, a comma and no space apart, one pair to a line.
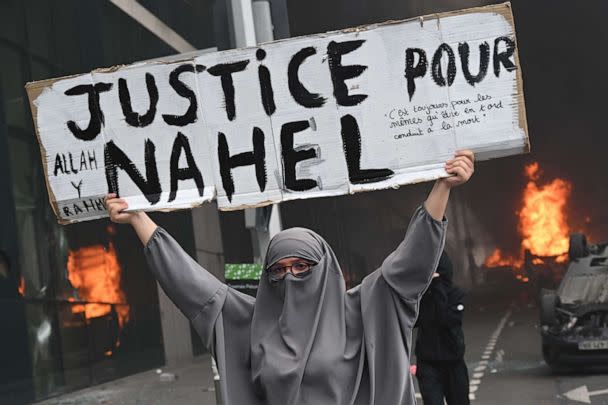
441,370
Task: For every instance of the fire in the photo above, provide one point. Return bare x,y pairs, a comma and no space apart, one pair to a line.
498,259
95,273
532,171
542,221
538,260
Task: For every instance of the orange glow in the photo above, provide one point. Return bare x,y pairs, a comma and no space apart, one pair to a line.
111,229
542,220
21,287
532,171
497,259
95,273
537,260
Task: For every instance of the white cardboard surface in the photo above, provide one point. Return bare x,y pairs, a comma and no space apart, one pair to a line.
410,136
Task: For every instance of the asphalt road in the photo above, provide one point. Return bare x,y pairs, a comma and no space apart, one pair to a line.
503,355
505,361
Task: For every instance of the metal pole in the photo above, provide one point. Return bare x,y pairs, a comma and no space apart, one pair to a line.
264,222
264,30
243,23
252,24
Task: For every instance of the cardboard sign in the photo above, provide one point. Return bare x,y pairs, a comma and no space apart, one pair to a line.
324,115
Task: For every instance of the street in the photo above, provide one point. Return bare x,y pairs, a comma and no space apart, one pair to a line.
505,361
503,356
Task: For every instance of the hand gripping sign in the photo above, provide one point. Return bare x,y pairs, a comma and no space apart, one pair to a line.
361,109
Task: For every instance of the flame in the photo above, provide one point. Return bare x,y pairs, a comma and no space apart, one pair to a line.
21,286
498,259
542,222
95,273
532,171
538,260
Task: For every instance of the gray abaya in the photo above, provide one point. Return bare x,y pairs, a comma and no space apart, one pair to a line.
308,340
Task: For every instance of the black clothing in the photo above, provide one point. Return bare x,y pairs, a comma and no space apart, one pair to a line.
441,370
449,379
440,336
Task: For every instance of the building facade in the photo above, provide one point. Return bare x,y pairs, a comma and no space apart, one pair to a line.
77,303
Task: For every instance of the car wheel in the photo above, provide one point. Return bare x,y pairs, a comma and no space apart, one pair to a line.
578,246
550,357
548,301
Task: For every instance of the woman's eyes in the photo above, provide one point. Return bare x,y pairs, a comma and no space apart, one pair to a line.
299,266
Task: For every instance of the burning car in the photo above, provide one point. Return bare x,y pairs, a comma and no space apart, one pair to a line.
574,318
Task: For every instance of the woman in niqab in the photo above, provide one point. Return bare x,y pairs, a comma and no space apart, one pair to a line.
305,339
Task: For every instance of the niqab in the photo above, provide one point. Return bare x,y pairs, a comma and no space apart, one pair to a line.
300,326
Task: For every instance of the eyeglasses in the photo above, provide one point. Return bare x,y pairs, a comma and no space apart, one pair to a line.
298,269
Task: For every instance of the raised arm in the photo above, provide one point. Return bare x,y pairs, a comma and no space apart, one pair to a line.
461,168
141,222
197,293
408,270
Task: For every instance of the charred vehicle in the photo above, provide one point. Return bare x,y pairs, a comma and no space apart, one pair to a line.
574,318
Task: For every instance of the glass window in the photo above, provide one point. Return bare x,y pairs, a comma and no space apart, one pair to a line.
84,305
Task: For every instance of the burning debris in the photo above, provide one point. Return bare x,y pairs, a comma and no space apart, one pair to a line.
499,259
542,225
542,220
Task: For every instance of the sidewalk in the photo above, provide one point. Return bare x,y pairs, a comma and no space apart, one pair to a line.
193,385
